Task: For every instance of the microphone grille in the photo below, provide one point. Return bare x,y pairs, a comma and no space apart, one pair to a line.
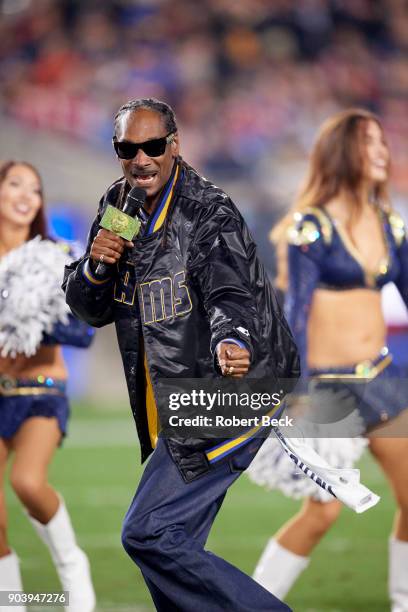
137,193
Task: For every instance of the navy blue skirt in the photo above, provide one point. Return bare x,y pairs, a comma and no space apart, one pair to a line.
16,409
377,389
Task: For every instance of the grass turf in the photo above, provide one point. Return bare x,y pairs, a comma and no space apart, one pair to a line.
97,471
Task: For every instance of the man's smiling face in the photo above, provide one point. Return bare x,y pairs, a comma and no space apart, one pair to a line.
149,173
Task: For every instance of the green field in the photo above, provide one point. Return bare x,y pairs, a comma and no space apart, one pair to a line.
97,471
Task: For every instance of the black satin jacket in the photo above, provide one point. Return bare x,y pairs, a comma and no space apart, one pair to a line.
182,289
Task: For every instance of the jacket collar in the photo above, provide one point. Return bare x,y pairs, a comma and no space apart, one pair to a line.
159,214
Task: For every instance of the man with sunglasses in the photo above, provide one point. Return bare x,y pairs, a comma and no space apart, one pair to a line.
189,299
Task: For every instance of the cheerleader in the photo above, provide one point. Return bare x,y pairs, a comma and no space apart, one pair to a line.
337,248
34,322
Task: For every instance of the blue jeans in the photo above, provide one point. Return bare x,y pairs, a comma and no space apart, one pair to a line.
166,528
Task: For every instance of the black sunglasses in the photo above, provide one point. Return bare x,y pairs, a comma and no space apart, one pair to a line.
153,148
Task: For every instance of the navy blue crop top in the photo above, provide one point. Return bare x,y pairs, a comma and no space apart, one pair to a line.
321,255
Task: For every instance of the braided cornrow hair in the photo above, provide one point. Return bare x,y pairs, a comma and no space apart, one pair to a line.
153,104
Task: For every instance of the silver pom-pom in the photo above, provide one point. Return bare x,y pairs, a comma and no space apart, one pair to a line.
274,470
331,424
31,298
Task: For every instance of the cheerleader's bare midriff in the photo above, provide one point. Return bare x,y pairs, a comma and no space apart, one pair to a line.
47,362
344,327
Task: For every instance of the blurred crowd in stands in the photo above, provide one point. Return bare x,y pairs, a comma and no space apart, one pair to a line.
250,80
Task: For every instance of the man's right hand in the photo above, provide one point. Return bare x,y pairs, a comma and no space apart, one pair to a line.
107,247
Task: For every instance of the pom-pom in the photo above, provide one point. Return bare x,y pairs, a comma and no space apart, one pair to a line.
273,469
31,298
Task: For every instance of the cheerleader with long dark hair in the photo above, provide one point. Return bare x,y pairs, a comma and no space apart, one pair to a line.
34,323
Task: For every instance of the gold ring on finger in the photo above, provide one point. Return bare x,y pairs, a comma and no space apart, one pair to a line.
231,370
101,258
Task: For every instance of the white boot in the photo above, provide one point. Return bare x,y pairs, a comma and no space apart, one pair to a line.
398,575
278,568
10,578
70,561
